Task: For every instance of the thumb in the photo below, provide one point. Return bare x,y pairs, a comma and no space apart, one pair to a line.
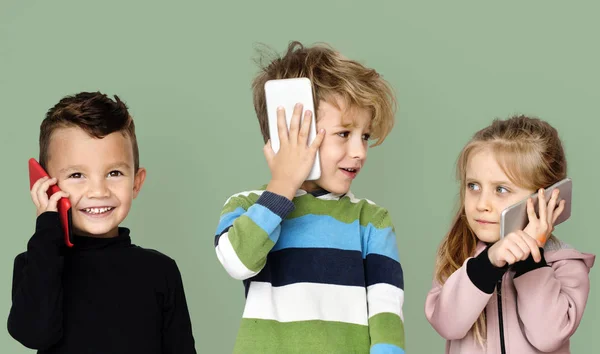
268,151
316,144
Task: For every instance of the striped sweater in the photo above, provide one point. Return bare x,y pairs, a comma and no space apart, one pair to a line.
321,273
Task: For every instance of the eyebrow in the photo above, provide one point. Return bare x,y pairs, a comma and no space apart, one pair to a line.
352,124
346,125
119,164
81,167
469,179
70,168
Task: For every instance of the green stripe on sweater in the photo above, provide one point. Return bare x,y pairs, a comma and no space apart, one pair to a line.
250,242
343,210
315,337
387,328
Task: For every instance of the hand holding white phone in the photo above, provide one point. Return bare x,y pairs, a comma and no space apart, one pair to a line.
287,93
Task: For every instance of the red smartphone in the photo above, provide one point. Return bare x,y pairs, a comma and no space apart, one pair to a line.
64,205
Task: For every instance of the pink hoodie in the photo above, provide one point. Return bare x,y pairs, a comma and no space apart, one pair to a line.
542,303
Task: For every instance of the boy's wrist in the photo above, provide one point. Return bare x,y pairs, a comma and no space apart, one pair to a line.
276,203
282,188
48,232
47,220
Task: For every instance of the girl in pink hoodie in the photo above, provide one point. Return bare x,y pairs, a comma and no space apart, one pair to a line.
525,293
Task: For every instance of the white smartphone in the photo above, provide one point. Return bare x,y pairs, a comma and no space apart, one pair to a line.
287,93
515,217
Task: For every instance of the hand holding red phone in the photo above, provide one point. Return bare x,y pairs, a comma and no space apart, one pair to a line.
39,195
48,197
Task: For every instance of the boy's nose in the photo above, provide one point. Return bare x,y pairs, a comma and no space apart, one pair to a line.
98,189
357,150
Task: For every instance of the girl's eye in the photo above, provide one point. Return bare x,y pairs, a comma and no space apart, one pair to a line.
343,134
473,186
75,175
115,173
502,190
366,136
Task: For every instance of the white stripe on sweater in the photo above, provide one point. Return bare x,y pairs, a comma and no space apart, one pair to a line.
307,301
230,260
384,297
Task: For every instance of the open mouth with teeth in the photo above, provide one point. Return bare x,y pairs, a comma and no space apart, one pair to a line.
349,172
97,211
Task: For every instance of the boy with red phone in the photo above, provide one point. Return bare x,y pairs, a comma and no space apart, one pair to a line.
82,286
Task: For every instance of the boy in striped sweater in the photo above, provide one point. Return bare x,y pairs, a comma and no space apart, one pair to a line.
320,267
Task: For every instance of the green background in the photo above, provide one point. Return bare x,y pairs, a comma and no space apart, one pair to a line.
185,67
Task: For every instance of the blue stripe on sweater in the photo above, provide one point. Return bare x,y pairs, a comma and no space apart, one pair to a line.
265,219
261,215
382,348
227,219
381,241
323,231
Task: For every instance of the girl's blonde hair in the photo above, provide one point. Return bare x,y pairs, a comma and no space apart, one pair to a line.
530,153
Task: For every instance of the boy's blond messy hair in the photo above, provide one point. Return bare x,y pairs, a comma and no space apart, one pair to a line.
333,77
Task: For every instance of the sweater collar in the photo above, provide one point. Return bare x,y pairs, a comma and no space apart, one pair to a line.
322,194
86,243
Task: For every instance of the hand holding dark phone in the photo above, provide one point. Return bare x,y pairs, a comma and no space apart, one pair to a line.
64,205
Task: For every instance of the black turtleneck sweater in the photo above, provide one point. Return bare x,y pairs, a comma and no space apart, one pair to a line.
103,296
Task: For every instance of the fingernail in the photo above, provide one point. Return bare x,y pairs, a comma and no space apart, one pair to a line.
321,130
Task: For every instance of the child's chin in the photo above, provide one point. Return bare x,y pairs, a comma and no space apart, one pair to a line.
488,237
97,231
338,189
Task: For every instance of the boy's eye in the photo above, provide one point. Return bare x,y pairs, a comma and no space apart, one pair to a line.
366,136
75,175
115,173
343,134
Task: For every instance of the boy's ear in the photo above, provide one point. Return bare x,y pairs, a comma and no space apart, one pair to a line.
138,181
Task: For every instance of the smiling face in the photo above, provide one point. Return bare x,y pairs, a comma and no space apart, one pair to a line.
343,151
488,192
99,176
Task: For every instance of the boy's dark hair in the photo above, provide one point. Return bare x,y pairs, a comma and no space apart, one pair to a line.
333,77
95,113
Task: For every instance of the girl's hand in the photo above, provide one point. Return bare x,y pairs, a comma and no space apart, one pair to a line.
516,246
541,228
